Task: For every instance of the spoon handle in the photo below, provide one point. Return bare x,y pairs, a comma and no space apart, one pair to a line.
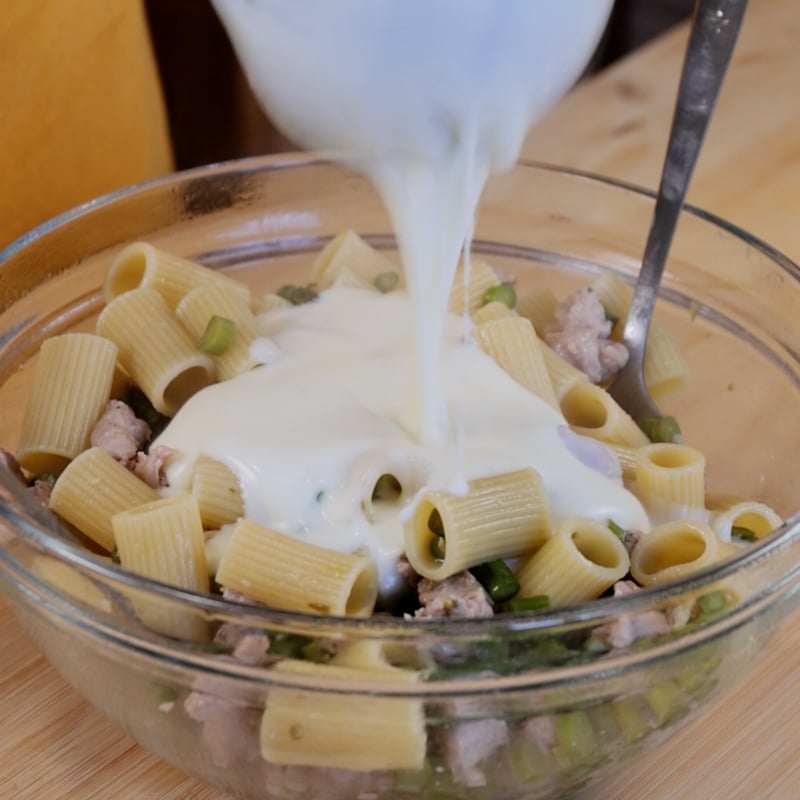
714,31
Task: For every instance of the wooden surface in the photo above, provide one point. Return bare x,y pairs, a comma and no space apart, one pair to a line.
53,745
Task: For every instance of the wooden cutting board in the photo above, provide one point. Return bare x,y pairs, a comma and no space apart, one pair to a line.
54,746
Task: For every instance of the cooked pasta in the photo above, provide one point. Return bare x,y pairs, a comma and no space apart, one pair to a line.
491,311
592,411
283,572
217,492
71,582
665,368
142,265
361,263
539,306
71,385
513,344
92,489
674,550
216,544
196,310
154,349
469,297
502,516
578,562
627,457
563,375
326,729
671,475
732,515
163,540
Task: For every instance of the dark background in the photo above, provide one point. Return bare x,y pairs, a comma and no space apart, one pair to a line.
214,117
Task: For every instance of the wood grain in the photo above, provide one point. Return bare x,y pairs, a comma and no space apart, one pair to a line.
53,745
749,169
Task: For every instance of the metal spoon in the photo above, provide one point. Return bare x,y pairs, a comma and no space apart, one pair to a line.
715,28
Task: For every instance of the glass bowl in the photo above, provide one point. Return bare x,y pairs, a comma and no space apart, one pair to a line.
517,706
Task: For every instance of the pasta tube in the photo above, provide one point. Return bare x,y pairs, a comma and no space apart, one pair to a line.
68,580
334,729
92,489
578,562
154,349
469,297
286,573
665,369
592,411
671,476
539,306
492,311
674,550
349,253
217,491
500,516
514,345
142,265
196,310
163,540
71,386
627,457
749,517
563,375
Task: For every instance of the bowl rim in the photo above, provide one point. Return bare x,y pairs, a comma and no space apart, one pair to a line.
24,516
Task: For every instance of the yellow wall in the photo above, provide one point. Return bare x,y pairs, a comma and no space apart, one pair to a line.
81,110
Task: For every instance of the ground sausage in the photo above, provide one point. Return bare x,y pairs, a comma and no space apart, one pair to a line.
580,335
120,432
460,595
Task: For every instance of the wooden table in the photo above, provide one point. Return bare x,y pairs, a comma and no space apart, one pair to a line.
54,746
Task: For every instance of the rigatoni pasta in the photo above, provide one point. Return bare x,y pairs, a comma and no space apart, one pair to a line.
505,515
513,344
140,264
592,411
665,368
163,540
672,475
578,562
326,729
92,489
539,306
467,296
349,254
674,550
154,349
196,310
563,375
282,572
746,519
71,385
217,492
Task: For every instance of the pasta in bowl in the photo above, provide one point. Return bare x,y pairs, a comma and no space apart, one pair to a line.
445,637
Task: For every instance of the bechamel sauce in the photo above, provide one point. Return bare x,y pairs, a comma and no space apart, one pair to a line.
428,97
310,432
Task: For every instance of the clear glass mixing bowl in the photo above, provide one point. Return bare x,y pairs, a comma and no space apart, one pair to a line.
563,714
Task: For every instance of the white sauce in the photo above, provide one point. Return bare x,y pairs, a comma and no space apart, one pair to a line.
428,97
311,432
